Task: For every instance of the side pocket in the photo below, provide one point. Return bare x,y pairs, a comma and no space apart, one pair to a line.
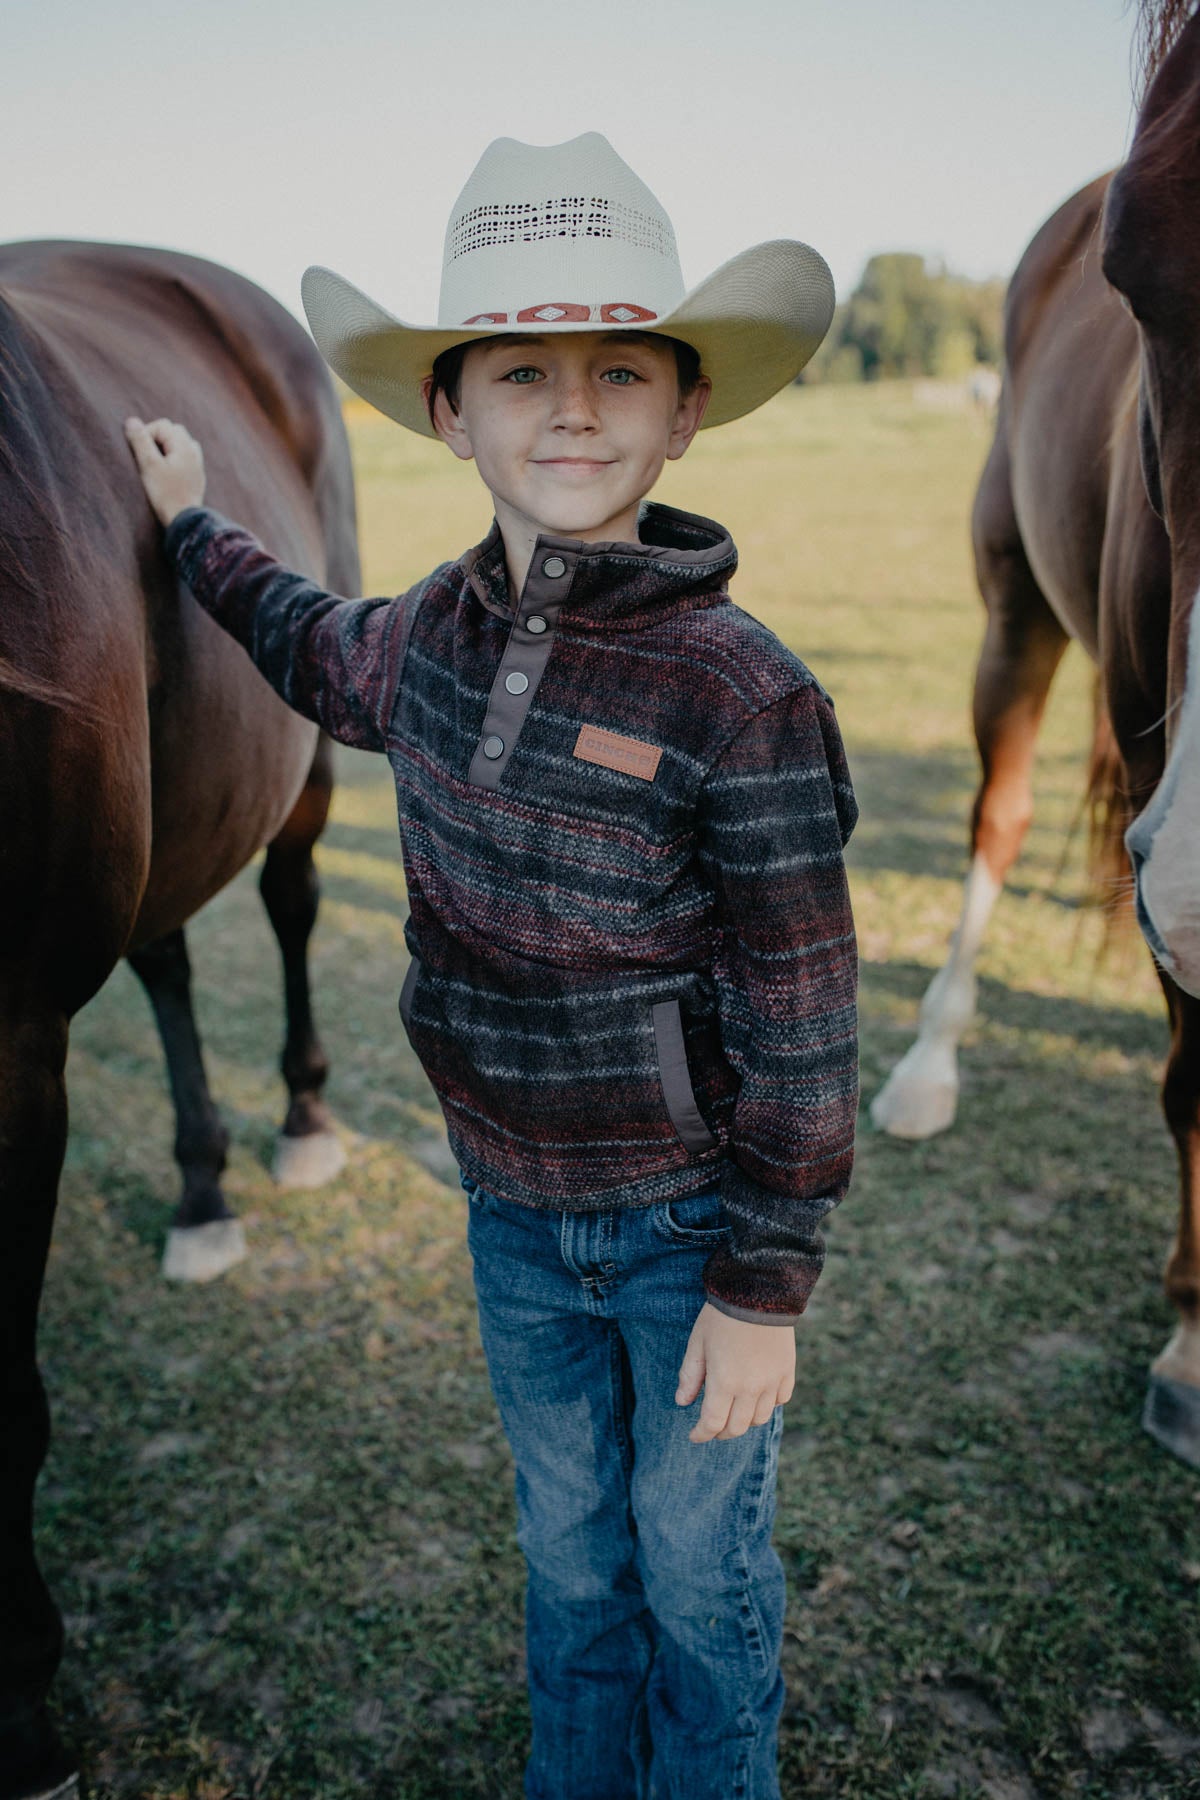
406,992
675,1077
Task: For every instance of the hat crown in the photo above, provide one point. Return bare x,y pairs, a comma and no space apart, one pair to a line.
544,231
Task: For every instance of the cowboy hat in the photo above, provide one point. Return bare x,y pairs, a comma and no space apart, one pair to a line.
565,237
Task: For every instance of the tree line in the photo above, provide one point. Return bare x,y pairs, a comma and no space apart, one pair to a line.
909,317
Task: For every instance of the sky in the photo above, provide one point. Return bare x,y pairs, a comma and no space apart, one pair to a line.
270,134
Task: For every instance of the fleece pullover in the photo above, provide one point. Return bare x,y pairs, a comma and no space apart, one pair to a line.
623,803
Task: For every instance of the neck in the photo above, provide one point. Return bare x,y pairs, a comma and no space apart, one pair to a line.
520,534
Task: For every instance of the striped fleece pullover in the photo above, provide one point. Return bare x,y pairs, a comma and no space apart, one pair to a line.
622,805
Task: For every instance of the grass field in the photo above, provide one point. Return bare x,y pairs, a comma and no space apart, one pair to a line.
278,1511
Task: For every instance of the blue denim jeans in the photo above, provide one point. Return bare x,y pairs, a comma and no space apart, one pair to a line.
654,1600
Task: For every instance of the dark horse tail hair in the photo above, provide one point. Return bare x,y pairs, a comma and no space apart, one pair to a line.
1110,811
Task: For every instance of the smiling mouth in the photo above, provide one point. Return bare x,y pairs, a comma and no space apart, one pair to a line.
570,462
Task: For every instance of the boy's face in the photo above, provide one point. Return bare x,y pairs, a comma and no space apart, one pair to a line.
570,432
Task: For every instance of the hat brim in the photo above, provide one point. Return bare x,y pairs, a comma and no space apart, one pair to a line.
754,322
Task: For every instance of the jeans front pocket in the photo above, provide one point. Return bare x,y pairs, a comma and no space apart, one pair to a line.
468,1184
698,1219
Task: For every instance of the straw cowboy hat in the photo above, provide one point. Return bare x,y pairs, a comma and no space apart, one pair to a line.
564,237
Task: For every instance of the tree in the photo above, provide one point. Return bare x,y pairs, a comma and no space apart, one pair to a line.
909,317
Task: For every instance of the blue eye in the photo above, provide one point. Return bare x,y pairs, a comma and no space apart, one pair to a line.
518,376
624,377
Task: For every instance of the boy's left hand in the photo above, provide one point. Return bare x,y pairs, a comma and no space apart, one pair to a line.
170,463
746,1371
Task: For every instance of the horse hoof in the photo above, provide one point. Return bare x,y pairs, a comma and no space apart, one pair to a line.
308,1162
908,1108
35,1764
1172,1417
202,1252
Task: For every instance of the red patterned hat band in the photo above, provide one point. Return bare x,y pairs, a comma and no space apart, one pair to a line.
575,219
553,312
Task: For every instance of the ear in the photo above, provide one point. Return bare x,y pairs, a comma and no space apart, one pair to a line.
687,419
447,423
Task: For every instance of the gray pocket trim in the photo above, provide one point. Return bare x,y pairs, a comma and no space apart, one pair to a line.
676,1078
406,991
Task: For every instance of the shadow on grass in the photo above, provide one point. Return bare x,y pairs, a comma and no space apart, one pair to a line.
1017,1009
912,814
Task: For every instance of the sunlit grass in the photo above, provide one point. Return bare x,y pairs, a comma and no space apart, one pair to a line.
278,1511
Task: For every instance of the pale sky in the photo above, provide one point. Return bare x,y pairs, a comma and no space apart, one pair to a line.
268,134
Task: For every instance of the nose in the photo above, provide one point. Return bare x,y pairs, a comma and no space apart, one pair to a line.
574,405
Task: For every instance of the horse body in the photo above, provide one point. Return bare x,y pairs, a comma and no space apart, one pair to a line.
1073,538
143,762
105,339
1151,256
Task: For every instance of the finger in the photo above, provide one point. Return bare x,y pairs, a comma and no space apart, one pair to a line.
691,1375
741,1415
180,442
713,1415
763,1409
145,451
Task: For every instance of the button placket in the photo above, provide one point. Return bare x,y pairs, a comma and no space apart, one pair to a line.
525,655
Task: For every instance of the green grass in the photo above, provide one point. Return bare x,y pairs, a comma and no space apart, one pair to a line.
278,1511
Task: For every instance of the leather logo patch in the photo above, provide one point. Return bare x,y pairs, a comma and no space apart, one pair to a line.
631,756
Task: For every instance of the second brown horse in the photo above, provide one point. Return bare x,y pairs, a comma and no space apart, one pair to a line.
1087,525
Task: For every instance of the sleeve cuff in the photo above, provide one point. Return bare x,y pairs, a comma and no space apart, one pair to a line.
751,1317
179,527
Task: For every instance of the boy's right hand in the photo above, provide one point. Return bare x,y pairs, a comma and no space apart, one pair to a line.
170,463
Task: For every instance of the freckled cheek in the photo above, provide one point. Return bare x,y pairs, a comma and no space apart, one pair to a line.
503,450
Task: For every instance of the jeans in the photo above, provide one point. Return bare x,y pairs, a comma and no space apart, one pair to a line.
654,1599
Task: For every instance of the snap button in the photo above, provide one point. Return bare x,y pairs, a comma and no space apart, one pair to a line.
554,566
535,623
516,683
493,747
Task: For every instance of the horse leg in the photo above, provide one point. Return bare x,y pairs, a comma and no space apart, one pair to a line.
308,1152
1172,1413
1022,648
33,1132
205,1238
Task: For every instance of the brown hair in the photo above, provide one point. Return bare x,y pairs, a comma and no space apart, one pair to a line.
447,368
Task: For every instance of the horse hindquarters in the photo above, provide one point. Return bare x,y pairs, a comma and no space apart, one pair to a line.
70,883
1023,645
33,1131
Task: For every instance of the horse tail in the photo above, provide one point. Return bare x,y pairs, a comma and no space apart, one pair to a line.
29,686
25,685
1110,813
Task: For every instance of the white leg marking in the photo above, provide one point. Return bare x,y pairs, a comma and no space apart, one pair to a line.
308,1162
920,1096
1180,1361
202,1252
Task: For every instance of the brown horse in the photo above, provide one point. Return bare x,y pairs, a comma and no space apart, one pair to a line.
144,761
1087,525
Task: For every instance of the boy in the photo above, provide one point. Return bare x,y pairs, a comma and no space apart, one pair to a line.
623,804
